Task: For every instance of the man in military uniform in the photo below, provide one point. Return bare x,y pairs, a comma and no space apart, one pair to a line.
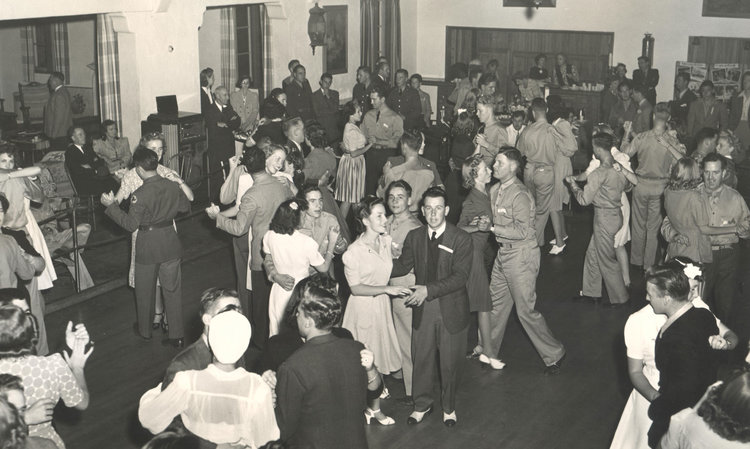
158,251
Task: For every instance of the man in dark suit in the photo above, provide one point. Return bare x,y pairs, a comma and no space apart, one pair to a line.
88,171
441,256
363,88
58,116
404,100
221,121
294,129
383,74
299,96
682,99
326,106
646,77
197,356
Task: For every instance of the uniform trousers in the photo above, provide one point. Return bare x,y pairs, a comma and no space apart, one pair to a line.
601,262
375,159
647,216
169,274
513,281
402,319
428,341
540,180
259,308
721,280
241,251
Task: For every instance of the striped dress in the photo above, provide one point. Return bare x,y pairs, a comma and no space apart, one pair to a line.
350,178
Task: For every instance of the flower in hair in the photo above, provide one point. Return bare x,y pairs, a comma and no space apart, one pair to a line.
293,205
692,271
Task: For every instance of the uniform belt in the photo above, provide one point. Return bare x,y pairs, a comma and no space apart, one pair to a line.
536,165
726,246
151,227
516,244
653,178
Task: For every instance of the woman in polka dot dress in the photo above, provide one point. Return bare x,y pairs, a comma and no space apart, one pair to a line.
46,380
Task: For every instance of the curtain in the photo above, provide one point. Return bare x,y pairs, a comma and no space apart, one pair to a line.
392,32
267,52
28,52
60,49
109,70
228,48
369,35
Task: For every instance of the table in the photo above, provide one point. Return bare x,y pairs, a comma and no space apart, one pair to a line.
30,148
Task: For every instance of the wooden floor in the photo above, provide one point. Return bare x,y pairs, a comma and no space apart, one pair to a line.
517,407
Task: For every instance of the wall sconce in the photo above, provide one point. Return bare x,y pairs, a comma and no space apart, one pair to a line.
316,27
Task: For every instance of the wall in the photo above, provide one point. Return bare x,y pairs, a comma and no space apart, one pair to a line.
209,45
670,21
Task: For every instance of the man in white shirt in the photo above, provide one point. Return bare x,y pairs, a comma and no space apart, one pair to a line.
516,127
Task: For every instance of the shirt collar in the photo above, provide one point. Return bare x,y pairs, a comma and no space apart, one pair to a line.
507,183
80,147
438,232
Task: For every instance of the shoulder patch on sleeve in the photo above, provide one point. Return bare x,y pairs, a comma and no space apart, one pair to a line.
133,199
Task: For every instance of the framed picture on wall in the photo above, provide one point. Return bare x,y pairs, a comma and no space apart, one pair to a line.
726,8
335,59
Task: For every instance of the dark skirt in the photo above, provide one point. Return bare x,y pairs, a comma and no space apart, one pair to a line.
478,285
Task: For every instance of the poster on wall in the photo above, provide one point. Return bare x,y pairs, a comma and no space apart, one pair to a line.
335,49
697,70
726,79
726,8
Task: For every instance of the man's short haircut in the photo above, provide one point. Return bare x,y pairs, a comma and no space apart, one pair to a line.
435,192
620,64
486,78
644,58
379,89
458,70
211,295
707,83
291,123
58,75
475,72
714,157
316,134
302,194
643,90
4,203
513,155
326,75
205,75
706,133
145,158
493,62
73,129
518,114
627,83
254,158
364,69
662,111
538,104
685,76
412,139
416,76
298,67
603,140
399,183
404,71
382,65
293,63
538,57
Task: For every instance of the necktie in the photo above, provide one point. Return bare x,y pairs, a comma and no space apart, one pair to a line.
377,117
434,236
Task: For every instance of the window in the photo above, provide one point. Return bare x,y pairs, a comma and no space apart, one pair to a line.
43,48
250,44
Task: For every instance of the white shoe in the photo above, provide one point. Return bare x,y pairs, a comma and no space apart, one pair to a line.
494,363
554,241
370,414
385,394
449,419
556,250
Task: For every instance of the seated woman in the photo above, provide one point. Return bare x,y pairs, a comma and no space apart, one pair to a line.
48,378
324,386
223,404
683,352
292,254
113,149
721,419
272,114
640,332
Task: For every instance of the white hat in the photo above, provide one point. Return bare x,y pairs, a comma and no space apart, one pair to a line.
229,336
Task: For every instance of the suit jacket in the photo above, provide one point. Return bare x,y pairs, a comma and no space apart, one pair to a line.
326,110
299,101
58,117
75,161
699,117
195,357
454,264
735,111
221,140
303,146
649,81
680,106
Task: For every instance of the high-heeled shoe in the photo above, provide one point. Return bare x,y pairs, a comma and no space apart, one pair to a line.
385,394
157,322
370,414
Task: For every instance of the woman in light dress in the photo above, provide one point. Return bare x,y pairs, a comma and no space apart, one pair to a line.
350,178
367,265
641,331
132,182
292,254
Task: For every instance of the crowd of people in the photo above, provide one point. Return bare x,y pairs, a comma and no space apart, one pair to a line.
333,308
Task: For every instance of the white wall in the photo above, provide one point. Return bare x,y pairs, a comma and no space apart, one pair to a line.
670,21
209,43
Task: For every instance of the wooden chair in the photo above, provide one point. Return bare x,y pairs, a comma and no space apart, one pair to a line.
32,98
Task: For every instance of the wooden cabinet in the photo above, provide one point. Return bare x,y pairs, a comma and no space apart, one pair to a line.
581,99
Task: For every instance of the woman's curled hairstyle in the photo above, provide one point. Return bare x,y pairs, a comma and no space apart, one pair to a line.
363,209
726,408
469,170
288,216
17,334
671,281
322,306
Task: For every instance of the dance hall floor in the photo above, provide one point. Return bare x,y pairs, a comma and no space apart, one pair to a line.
516,408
